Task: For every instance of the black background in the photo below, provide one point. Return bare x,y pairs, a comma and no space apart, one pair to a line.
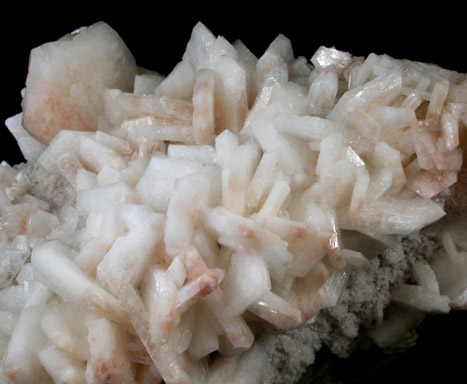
157,35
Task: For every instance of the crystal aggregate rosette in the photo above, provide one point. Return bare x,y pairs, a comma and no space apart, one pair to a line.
162,227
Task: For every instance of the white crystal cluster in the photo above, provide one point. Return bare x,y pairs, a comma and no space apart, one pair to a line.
199,208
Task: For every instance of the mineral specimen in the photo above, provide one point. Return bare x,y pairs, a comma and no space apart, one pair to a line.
220,224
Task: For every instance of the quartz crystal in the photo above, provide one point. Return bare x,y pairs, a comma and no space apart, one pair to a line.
220,224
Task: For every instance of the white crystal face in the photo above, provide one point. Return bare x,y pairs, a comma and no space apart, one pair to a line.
162,226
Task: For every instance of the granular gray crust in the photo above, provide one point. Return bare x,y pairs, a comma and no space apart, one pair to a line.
52,188
366,295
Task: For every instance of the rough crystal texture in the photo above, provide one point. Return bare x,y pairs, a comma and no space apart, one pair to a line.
172,223
61,90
